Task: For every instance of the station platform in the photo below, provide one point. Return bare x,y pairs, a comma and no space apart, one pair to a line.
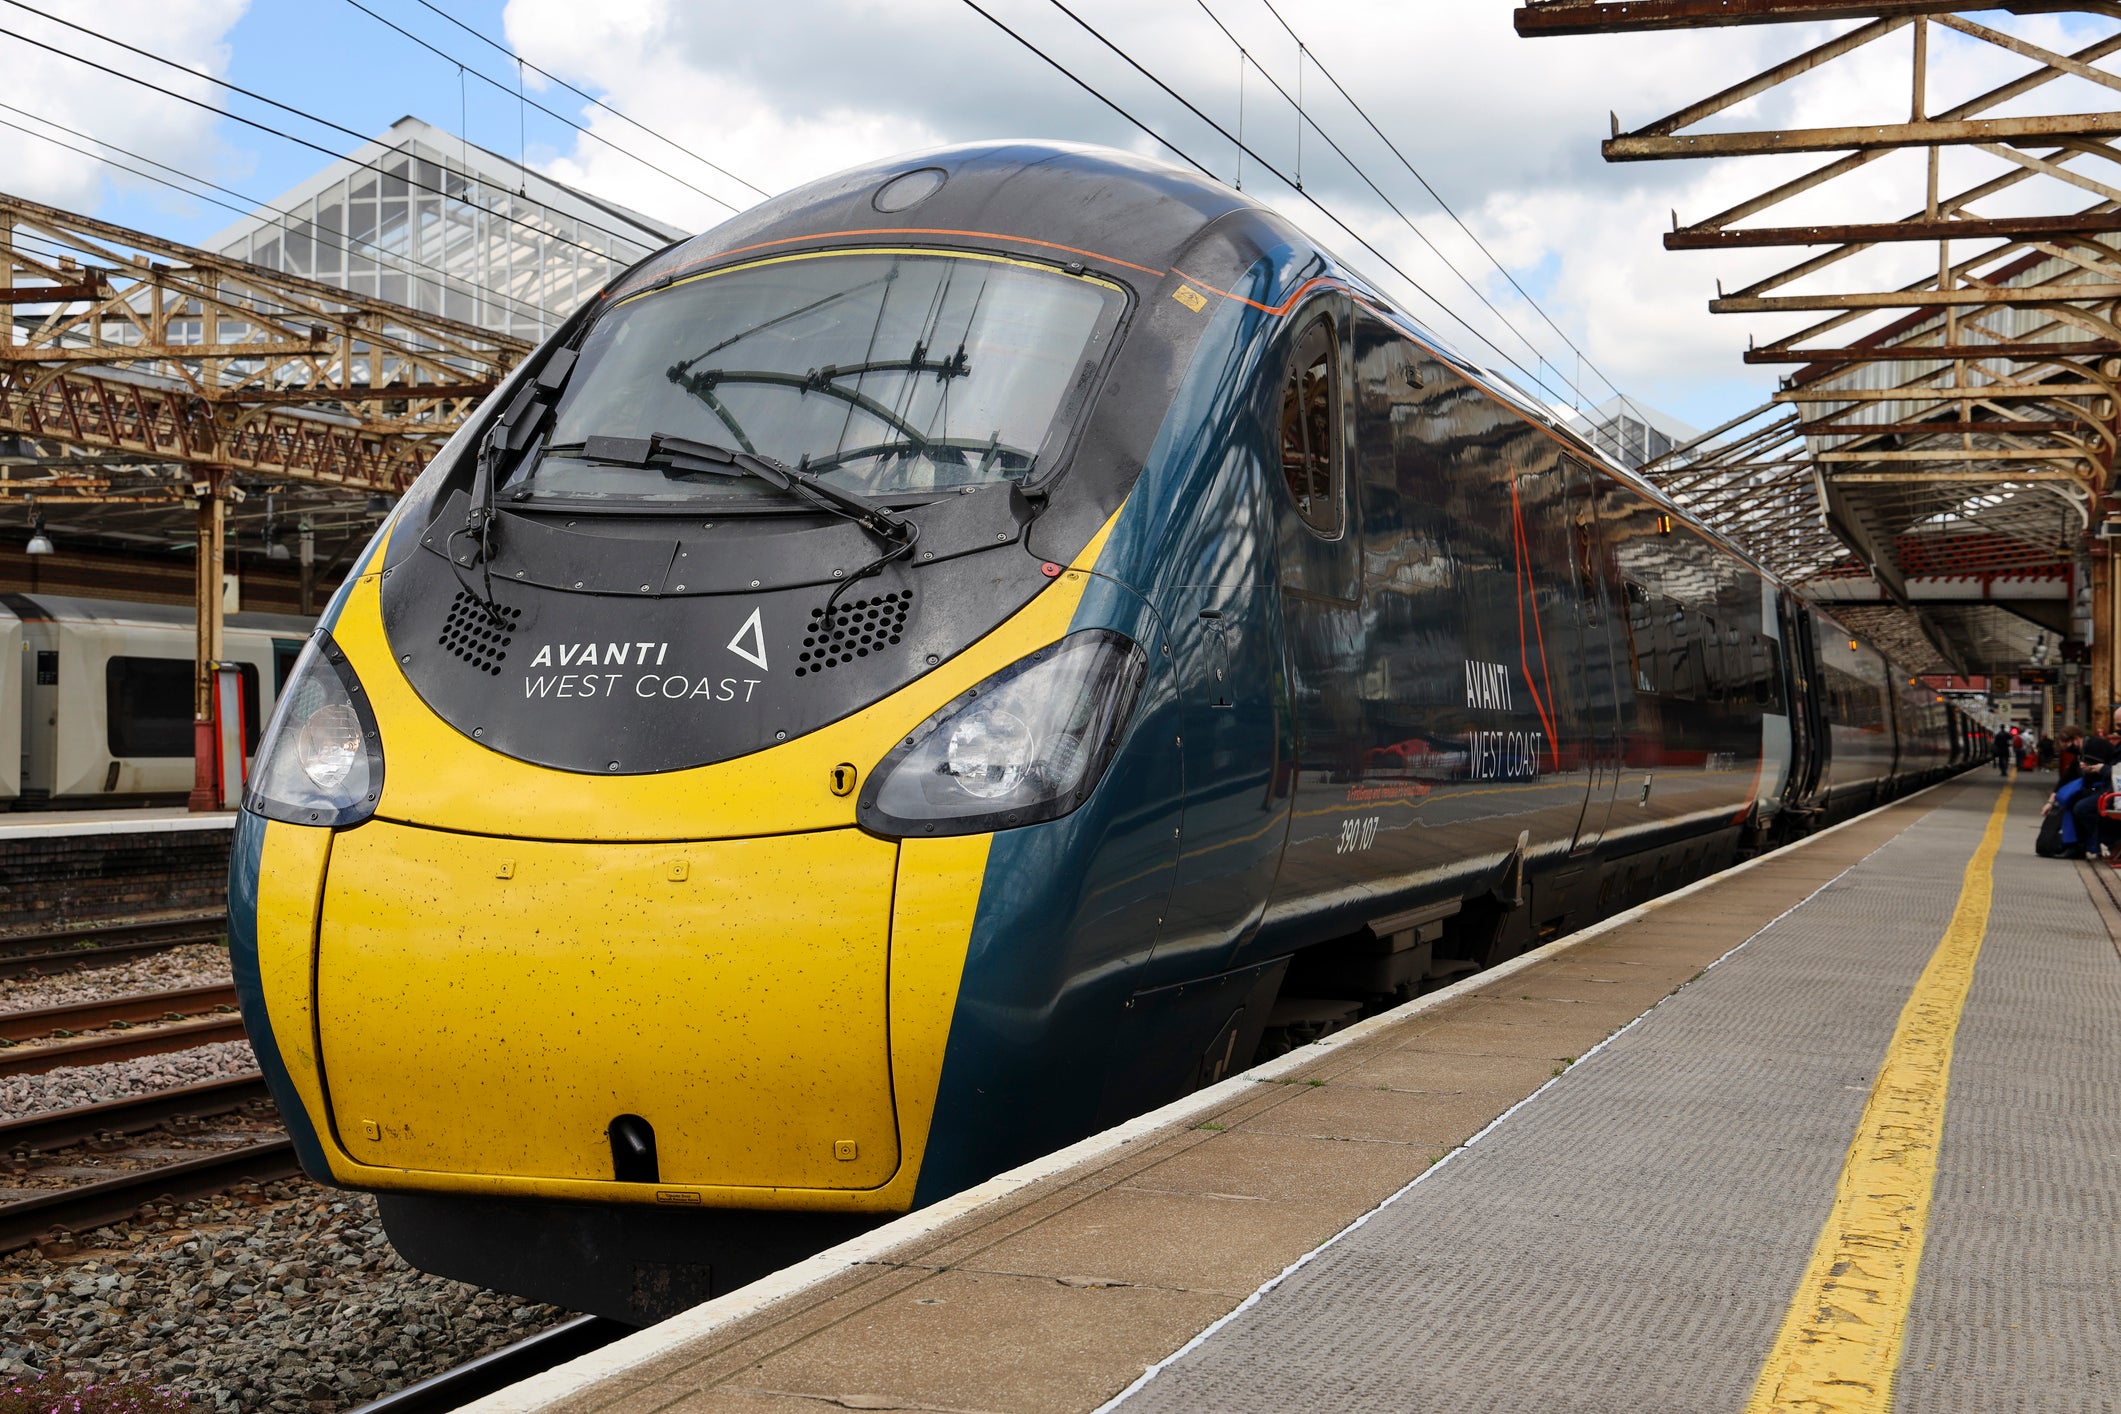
62,869
144,820
1833,1130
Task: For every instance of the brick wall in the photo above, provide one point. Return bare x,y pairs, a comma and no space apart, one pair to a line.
47,883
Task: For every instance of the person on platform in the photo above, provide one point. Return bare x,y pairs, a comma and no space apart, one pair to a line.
2095,762
2045,747
2058,837
2001,748
2067,745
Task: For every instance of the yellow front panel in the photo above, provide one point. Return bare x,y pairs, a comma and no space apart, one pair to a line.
488,1006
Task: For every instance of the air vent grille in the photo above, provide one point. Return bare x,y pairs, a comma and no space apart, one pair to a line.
472,634
854,629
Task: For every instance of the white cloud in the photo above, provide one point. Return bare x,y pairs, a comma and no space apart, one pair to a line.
1506,129
40,83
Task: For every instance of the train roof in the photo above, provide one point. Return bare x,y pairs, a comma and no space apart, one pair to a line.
1060,199
71,609
1065,199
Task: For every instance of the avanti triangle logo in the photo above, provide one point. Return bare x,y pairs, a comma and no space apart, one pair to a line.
753,632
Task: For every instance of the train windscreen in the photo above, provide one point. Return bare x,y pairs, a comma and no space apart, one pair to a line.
886,372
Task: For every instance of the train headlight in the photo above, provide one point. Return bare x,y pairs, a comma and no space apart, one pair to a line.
1026,745
321,760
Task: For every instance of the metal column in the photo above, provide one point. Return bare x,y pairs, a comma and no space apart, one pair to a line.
206,604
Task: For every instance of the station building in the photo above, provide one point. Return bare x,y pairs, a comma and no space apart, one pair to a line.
425,218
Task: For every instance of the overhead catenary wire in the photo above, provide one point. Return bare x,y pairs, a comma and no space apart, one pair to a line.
1304,118
1437,197
463,68
1285,180
1071,76
594,100
410,181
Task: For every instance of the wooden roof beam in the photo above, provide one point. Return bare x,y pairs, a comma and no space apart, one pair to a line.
1922,353
1881,232
1566,17
1917,299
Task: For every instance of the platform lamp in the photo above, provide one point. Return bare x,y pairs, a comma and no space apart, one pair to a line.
39,542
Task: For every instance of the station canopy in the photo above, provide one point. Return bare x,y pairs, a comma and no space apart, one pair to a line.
1939,269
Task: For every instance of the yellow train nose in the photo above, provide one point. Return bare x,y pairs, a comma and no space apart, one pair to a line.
539,1009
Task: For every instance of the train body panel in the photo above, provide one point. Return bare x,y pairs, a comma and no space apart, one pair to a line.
1300,660
104,705
18,673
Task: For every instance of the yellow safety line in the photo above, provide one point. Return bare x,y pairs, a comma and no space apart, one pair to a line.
1840,1343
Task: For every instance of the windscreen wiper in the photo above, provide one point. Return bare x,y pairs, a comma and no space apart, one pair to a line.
682,455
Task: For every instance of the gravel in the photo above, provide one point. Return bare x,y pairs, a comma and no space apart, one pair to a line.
116,1080
287,1299
193,965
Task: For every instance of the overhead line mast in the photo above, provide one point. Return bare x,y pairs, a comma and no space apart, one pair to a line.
1959,424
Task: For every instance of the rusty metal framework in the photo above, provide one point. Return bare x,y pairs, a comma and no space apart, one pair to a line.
144,383
124,343
1948,428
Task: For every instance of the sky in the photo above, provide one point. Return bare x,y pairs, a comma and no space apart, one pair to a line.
1557,267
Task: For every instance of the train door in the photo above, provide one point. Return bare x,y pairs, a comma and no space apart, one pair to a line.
1601,745
1808,737
40,696
14,664
1322,623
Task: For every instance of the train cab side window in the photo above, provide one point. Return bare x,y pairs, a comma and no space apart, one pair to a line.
1768,675
1712,660
1642,637
1310,429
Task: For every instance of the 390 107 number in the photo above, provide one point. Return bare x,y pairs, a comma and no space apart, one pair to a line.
1357,834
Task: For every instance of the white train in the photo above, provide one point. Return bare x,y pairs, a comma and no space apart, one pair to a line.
100,710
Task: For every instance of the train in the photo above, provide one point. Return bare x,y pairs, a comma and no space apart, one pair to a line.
99,713
959,655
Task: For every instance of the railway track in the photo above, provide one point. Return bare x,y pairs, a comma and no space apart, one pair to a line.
101,944
196,1016
32,1214
474,1379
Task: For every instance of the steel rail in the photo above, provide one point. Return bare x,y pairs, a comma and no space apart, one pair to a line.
39,1022
24,953
56,1129
92,1205
474,1379
122,1045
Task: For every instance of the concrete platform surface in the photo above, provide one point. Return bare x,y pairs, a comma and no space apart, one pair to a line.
151,819
1598,1178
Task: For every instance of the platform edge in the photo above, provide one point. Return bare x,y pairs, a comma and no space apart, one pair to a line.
545,1390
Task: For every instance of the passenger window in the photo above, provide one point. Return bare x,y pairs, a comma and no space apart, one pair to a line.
1310,427
147,706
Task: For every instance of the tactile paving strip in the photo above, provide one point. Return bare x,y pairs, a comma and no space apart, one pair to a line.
1631,1237
2018,1302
